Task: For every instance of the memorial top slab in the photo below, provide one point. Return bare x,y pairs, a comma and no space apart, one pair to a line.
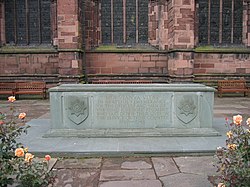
132,88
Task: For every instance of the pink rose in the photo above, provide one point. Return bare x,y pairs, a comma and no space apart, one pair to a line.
47,157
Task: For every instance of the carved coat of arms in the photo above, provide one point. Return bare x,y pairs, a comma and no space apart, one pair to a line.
77,109
186,109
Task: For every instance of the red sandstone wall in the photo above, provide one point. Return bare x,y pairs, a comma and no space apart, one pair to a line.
126,63
68,25
184,20
28,64
163,26
69,40
180,66
92,24
171,26
153,22
158,25
206,63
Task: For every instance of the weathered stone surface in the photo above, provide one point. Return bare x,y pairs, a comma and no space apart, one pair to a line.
113,175
76,177
185,180
89,163
116,163
164,166
189,165
138,183
136,165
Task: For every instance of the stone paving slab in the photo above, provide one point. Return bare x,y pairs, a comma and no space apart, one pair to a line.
121,175
114,163
185,180
138,183
76,177
190,165
166,172
90,163
136,165
164,166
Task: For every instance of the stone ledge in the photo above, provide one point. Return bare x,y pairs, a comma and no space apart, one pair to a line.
132,88
28,50
121,133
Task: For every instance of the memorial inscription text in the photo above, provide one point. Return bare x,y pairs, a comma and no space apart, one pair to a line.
132,108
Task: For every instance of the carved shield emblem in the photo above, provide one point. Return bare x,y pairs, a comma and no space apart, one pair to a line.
186,109
78,109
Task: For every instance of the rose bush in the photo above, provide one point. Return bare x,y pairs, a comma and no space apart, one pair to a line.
233,164
17,165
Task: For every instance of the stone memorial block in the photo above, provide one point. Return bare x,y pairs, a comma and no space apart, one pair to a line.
131,110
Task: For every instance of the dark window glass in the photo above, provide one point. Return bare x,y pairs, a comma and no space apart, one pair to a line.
27,22
10,26
238,19
21,22
106,21
220,22
34,25
214,21
118,21
130,21
203,22
143,21
124,22
45,21
226,21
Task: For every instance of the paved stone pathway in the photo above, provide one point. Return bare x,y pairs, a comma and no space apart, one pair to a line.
135,172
